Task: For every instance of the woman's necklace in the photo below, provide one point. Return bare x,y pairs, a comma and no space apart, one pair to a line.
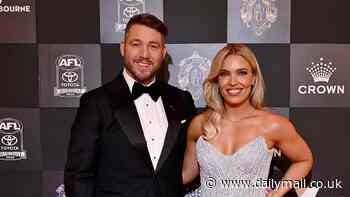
248,114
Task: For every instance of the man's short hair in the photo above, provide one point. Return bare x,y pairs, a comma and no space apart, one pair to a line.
148,20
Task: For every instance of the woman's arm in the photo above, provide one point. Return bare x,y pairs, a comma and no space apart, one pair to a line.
293,146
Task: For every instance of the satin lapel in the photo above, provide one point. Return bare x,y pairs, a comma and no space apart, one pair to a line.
128,118
126,114
173,127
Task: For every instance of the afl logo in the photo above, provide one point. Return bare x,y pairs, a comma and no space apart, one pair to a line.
69,61
127,9
11,140
69,76
10,125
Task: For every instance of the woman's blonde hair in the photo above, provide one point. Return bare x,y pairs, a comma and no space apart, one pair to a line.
212,94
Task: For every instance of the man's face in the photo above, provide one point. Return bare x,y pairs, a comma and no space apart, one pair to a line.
143,51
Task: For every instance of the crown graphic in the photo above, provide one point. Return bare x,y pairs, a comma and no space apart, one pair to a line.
321,71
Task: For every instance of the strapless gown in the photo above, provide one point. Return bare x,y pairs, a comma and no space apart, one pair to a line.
241,174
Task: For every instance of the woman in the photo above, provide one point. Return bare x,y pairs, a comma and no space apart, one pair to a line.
230,144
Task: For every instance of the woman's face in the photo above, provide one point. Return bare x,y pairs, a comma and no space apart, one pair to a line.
235,80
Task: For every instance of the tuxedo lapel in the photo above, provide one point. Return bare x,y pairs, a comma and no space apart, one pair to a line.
126,114
173,125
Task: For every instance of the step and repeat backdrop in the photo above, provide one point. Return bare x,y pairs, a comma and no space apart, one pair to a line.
52,51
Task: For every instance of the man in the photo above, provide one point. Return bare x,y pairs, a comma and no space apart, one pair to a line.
128,138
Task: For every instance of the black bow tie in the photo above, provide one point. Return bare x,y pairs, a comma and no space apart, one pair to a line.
138,89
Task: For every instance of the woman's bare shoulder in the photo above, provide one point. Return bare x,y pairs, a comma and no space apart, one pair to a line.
275,123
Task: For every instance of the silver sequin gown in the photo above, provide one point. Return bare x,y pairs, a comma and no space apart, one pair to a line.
241,174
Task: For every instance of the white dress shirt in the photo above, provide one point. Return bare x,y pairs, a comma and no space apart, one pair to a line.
153,120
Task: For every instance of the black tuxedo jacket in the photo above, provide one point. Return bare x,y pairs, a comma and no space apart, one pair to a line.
108,155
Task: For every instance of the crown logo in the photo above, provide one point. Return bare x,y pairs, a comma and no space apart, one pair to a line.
321,71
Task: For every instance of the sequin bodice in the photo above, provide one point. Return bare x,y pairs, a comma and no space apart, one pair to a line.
240,174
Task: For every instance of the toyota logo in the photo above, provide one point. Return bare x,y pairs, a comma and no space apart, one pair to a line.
131,11
9,140
70,77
